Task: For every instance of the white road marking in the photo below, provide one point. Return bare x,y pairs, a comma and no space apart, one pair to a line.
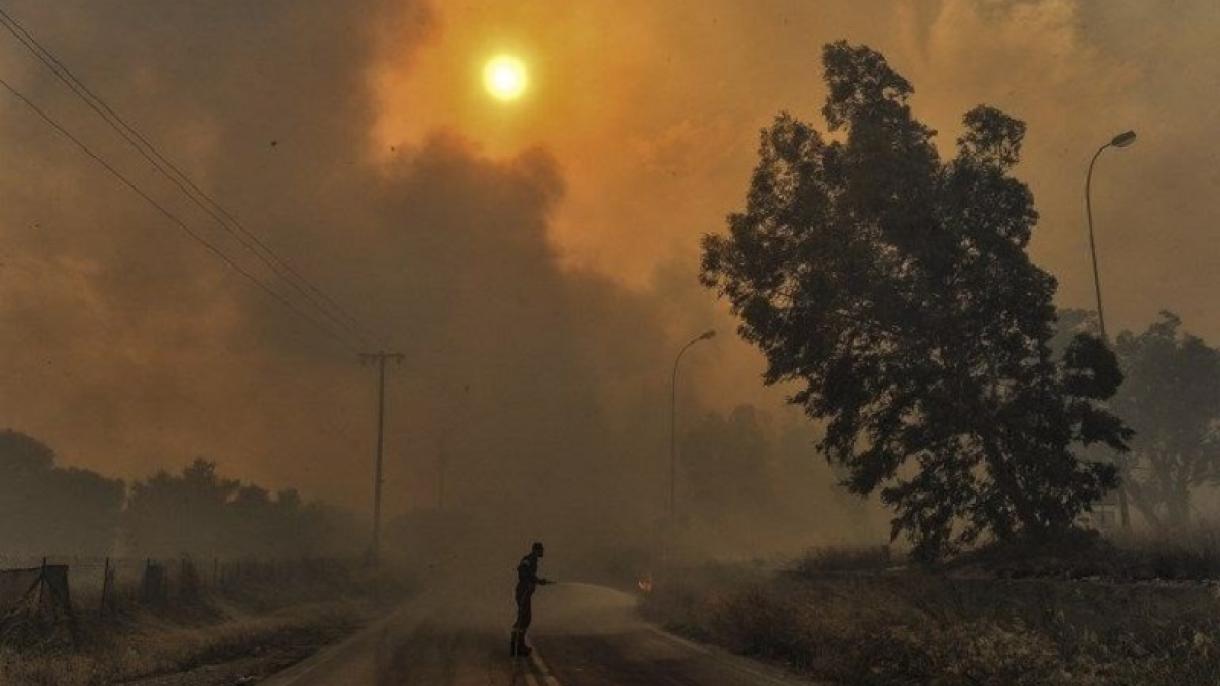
548,678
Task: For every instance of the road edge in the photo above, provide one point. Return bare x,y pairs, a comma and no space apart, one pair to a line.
289,675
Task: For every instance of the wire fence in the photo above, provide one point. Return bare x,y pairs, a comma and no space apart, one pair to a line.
110,584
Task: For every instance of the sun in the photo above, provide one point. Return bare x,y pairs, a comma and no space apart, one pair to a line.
505,77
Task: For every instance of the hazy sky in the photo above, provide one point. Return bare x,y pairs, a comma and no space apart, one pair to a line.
536,260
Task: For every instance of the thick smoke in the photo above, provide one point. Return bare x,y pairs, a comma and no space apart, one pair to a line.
539,296
130,348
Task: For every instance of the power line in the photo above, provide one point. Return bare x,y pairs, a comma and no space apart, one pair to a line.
323,303
153,156
46,118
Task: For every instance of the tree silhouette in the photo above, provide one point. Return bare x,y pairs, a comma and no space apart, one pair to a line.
200,512
49,510
896,290
726,463
171,514
1172,399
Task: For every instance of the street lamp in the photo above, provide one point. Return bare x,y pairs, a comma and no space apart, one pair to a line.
673,420
1122,140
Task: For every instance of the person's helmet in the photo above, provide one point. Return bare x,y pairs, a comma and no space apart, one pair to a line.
537,548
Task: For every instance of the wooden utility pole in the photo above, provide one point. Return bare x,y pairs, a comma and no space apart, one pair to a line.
380,358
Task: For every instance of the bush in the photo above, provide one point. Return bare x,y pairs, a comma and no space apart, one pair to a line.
914,627
844,559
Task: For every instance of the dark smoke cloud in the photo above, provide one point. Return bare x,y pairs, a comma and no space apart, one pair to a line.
129,348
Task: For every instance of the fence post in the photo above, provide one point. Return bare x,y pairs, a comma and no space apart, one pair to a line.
105,585
42,579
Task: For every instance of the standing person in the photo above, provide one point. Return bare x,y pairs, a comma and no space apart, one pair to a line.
527,581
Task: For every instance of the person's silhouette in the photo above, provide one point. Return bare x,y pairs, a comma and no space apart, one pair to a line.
527,581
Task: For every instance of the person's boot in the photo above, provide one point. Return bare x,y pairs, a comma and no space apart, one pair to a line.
515,642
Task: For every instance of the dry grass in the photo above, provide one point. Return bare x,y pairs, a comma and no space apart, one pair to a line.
146,645
254,619
836,559
916,628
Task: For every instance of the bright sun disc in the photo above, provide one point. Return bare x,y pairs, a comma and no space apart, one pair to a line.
505,77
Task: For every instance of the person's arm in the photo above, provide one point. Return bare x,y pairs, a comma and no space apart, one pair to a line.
537,579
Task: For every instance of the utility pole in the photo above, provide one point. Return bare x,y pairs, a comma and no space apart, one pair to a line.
380,358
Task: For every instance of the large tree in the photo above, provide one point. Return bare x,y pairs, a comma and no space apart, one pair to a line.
895,290
1171,397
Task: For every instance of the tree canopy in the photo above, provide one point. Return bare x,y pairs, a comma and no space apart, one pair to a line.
201,512
894,289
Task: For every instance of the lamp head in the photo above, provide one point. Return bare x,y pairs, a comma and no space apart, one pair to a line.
1123,139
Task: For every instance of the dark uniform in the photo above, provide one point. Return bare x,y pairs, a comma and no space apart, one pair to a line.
527,581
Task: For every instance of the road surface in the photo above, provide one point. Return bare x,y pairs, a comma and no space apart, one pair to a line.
583,635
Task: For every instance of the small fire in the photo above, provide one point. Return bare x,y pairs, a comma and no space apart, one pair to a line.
645,583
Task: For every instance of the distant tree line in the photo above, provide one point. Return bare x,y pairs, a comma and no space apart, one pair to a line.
1170,397
728,463
46,509
748,477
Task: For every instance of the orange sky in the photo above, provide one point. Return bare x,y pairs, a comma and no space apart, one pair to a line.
652,109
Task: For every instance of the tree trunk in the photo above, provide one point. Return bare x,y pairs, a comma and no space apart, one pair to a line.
1177,504
1147,506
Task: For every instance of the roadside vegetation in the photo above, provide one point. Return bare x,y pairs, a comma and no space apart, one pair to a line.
219,580
220,638
148,646
845,618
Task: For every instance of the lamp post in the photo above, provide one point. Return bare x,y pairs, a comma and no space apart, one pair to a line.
673,422
1122,140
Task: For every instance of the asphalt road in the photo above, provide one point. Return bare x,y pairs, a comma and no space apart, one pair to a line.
583,635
